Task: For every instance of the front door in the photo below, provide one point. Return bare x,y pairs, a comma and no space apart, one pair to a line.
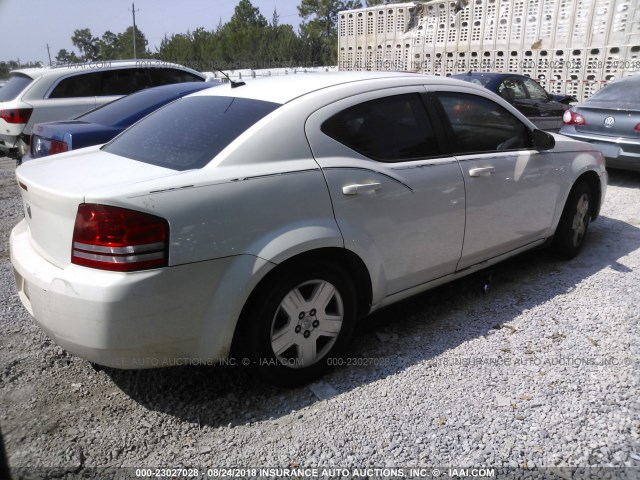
399,202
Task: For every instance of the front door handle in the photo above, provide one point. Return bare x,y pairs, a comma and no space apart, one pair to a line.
357,188
481,171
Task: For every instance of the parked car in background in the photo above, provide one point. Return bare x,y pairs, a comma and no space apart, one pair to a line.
264,219
36,95
102,124
610,120
525,94
564,98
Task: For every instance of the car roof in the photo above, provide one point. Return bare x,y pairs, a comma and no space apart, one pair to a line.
486,75
285,88
63,69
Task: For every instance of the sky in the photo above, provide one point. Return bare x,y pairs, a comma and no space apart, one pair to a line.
29,25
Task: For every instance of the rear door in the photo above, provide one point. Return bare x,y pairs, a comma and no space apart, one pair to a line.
398,200
511,189
69,97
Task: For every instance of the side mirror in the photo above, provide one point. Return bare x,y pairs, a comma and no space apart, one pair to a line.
543,140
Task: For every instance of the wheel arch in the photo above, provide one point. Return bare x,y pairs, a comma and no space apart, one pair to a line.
351,263
592,179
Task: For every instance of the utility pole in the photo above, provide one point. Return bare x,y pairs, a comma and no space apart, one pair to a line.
133,10
49,53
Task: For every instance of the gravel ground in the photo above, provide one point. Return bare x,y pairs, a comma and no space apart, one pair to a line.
541,371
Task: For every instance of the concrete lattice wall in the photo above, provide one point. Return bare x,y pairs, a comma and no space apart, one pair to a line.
569,46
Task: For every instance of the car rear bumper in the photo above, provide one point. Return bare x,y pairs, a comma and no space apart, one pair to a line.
143,319
618,152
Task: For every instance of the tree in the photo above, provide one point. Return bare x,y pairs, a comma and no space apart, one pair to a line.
318,30
281,46
242,39
66,57
125,43
109,47
86,43
245,16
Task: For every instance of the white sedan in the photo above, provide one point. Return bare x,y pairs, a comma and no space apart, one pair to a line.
260,221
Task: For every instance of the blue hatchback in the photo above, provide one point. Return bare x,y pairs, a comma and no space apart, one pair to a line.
104,123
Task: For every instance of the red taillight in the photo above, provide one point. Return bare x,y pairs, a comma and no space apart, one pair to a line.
637,128
573,118
16,115
119,239
57,147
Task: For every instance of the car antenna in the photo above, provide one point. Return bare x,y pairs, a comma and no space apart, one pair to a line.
233,83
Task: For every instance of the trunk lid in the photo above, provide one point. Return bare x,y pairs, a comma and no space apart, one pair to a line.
52,188
608,121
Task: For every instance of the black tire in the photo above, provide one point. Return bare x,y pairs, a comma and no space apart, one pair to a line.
574,222
287,333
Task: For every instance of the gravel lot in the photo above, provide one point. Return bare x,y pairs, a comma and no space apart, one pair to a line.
541,371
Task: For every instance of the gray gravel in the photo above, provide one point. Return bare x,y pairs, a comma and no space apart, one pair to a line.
541,371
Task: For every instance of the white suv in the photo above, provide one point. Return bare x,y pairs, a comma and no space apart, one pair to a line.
35,95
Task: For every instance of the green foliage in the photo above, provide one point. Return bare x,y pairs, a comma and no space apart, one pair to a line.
86,43
247,40
66,57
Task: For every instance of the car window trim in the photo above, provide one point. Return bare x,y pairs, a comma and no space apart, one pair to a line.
450,135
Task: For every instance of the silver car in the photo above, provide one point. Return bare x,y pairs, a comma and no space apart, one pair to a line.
610,120
36,95
255,223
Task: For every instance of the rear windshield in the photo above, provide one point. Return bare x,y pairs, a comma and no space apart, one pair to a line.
623,92
16,84
190,132
127,110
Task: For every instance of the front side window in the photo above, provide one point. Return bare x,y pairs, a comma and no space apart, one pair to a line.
189,132
536,92
124,81
512,89
389,129
481,125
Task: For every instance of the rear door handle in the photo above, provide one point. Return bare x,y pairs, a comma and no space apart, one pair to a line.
481,171
357,188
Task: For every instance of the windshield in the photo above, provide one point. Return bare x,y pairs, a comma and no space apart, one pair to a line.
16,84
190,132
626,91
128,110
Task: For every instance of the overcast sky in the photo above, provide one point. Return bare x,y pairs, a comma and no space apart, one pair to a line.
29,25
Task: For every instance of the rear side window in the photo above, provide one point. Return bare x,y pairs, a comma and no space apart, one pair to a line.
389,129
190,132
481,125
82,85
16,84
